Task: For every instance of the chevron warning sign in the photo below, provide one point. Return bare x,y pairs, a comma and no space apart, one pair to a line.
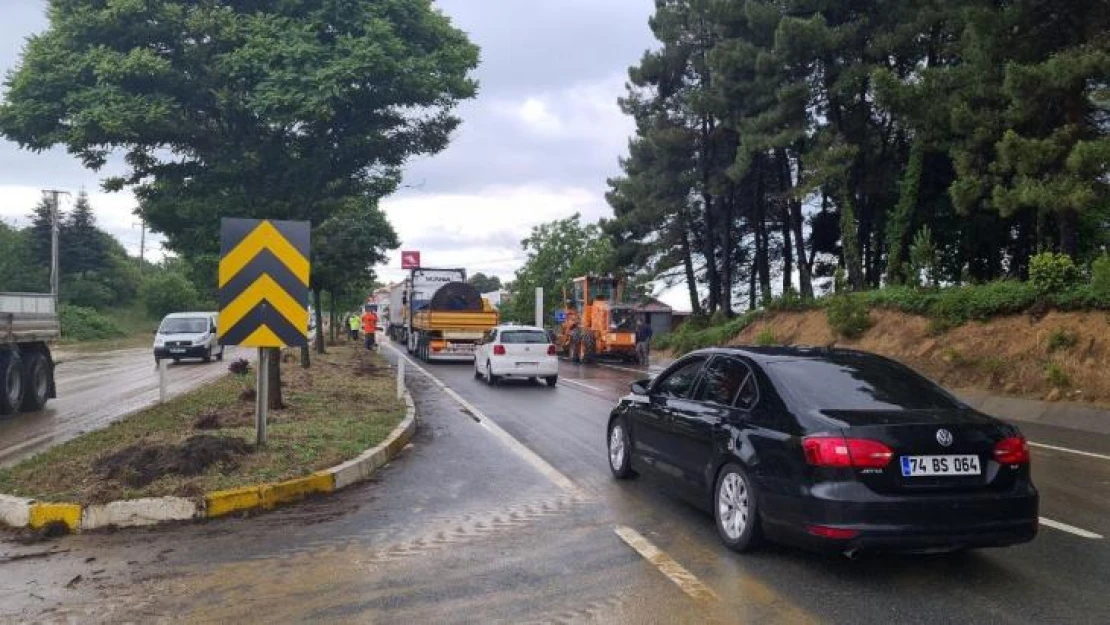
263,282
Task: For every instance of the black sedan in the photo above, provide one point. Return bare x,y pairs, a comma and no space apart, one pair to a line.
828,449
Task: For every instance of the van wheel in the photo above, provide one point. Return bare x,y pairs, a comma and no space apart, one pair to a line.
36,382
208,355
220,356
11,382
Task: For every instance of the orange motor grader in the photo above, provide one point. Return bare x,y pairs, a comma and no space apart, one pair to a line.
596,323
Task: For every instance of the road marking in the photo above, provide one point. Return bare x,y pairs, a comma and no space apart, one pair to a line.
687,581
1071,529
619,368
521,450
584,385
1070,451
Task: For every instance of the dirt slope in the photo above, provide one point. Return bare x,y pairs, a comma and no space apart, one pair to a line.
1018,355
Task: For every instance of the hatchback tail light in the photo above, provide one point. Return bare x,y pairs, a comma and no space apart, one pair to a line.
498,350
837,451
1012,450
551,350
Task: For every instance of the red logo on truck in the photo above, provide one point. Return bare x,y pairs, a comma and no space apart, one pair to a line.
410,260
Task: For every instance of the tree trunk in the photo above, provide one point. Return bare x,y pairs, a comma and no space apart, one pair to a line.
726,256
787,255
688,266
849,235
752,303
796,225
762,245
274,374
320,346
1067,222
710,253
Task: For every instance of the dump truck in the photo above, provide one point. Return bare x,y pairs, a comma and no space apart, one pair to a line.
596,322
28,322
442,316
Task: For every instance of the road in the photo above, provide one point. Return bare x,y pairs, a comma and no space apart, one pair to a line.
93,391
503,510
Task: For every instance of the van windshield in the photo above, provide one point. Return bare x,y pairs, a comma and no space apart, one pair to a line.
184,325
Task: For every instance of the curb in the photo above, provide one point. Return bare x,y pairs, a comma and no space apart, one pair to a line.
18,512
1070,415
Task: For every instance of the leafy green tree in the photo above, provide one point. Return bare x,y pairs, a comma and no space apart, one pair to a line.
167,292
558,252
484,283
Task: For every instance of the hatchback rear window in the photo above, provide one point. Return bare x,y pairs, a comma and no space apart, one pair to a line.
521,337
853,383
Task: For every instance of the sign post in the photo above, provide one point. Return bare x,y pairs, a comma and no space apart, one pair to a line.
263,280
539,307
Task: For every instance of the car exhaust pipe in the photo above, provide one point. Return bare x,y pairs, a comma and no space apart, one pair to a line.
852,554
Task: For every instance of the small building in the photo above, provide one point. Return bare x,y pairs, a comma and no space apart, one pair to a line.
657,314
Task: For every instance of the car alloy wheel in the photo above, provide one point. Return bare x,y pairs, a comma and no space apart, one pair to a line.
616,447
733,505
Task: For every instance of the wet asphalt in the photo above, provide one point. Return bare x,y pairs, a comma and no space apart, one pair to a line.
94,390
465,526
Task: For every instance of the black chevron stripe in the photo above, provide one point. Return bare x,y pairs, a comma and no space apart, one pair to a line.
265,314
234,230
265,263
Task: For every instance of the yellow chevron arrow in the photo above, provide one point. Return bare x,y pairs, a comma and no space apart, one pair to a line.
265,236
263,288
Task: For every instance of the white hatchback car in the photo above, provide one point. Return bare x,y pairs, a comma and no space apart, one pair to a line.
511,351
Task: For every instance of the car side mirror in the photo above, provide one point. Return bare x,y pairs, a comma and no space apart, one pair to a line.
640,387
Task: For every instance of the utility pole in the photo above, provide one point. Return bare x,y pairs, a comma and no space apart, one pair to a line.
54,264
142,242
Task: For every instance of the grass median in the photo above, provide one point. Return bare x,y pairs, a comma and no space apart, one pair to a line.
203,441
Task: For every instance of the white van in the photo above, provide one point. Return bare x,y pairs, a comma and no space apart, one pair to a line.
188,335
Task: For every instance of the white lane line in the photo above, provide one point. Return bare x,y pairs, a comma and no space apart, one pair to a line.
618,368
584,385
519,448
687,581
1071,529
1077,452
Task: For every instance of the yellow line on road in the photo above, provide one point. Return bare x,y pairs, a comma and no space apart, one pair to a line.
687,581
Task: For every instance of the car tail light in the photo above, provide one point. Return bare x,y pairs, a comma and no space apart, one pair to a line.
837,451
551,350
835,533
1012,450
498,350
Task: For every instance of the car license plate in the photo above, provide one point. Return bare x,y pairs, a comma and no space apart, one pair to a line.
527,364
177,351
917,466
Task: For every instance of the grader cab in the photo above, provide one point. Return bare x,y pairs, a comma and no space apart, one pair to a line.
597,323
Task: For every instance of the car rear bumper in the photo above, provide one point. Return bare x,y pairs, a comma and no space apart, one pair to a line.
543,370
913,523
195,351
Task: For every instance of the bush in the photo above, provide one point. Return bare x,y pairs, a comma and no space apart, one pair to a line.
848,315
165,293
690,337
1056,376
1100,277
790,301
1052,273
85,324
766,337
1062,339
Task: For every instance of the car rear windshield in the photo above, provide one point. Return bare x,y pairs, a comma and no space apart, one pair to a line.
184,325
853,383
520,337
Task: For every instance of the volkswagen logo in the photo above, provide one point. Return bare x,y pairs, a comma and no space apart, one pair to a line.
944,437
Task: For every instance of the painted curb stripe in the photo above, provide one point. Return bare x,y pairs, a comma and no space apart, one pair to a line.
15,511
43,514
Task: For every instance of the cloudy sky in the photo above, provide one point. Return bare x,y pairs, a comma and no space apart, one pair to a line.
536,145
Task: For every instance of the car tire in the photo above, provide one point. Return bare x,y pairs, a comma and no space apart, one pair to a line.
736,509
477,371
490,378
618,446
552,380
36,382
11,382
589,348
220,356
207,356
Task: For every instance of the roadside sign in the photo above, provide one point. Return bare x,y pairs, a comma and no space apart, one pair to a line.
560,316
263,280
410,260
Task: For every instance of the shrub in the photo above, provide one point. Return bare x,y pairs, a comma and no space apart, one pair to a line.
766,337
792,301
240,366
1062,339
848,315
1056,376
166,293
1052,273
1100,277
85,324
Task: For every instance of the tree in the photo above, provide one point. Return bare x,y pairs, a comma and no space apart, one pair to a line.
558,251
484,283
83,245
267,110
168,292
345,249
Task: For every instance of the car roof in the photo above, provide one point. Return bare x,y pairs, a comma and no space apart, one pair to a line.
770,354
181,315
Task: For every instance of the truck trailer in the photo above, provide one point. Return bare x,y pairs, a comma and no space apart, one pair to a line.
28,322
440,316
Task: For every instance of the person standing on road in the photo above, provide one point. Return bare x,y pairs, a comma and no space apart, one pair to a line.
370,327
643,342
352,326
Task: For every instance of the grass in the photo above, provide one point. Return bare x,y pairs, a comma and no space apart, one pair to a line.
344,404
1061,339
136,329
1056,376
